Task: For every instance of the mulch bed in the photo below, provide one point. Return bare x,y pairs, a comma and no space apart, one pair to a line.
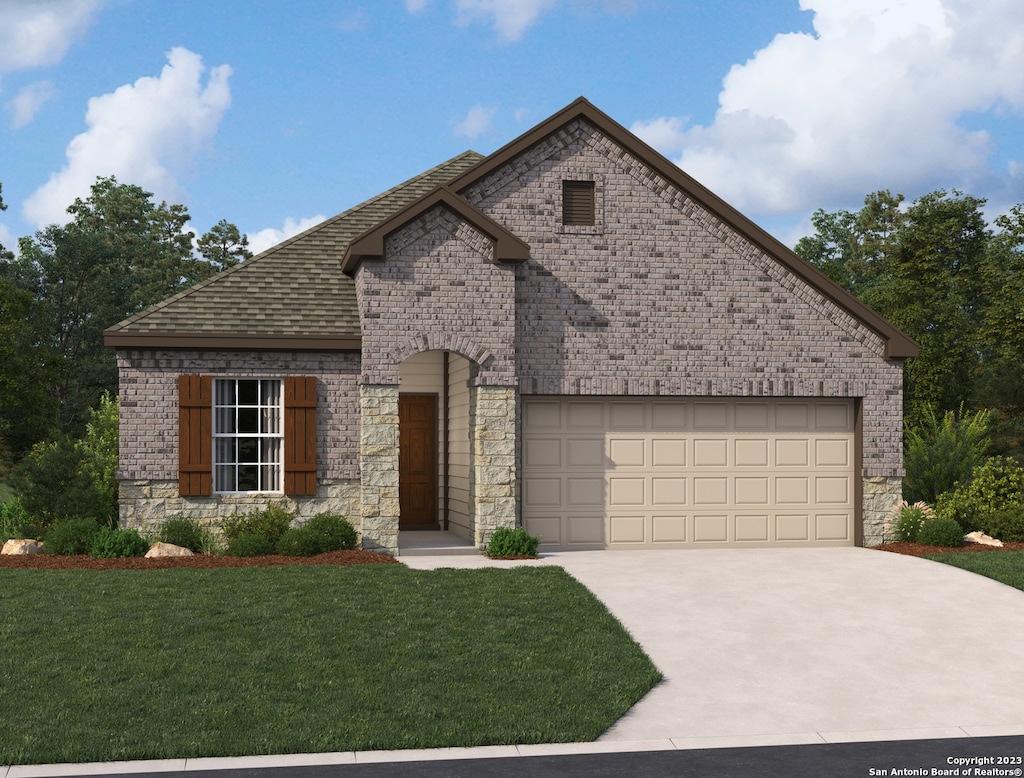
916,549
54,562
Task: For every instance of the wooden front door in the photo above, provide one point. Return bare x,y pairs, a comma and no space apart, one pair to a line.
417,461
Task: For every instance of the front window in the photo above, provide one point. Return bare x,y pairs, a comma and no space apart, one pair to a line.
248,436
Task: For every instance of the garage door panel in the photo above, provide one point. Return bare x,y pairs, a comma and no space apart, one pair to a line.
832,526
710,452
627,452
585,453
542,492
709,528
834,490
752,528
668,529
832,453
669,452
627,416
584,492
586,530
751,491
689,472
543,452
543,416
626,491
792,490
668,491
790,527
792,453
710,491
549,528
669,415
751,453
627,529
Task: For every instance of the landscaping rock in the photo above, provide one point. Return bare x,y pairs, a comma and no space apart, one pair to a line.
12,547
982,538
159,549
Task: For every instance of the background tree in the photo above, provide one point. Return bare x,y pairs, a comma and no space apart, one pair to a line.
920,267
4,253
223,246
120,253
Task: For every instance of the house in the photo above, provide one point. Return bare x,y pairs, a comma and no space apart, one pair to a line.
570,334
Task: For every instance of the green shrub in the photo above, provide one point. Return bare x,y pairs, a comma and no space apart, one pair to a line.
995,484
907,520
512,542
1006,524
301,541
118,544
337,531
71,536
248,544
65,479
939,454
269,524
940,532
15,521
182,531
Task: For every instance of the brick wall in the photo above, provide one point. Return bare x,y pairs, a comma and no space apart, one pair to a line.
661,297
149,402
439,289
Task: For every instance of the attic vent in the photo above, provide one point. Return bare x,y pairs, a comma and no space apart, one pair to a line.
578,202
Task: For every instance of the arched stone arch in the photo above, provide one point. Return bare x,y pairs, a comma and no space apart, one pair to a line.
443,341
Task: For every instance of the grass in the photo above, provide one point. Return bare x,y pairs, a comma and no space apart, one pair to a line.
1004,566
113,665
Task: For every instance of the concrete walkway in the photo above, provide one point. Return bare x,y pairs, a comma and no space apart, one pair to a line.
789,646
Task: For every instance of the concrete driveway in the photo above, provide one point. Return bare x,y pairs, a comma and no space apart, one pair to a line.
781,646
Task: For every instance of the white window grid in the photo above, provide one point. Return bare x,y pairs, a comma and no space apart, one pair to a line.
248,435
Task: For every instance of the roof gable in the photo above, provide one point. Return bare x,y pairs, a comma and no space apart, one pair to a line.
898,344
370,245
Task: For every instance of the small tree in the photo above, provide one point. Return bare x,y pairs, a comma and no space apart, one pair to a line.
939,454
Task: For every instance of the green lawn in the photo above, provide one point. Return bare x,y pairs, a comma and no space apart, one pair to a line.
1004,566
154,664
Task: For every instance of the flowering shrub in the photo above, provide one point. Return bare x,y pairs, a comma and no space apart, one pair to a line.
908,519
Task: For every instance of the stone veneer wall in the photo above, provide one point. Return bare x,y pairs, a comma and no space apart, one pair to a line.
379,453
493,487
880,495
149,432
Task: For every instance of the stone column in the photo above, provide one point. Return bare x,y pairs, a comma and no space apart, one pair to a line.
492,471
378,457
880,494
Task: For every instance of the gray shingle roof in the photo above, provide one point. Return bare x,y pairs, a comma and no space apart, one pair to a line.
269,296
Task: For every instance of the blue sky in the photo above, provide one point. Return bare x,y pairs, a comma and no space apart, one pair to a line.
276,115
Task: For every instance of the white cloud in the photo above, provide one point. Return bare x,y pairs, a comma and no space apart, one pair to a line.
875,98
26,104
7,239
510,18
415,6
39,32
269,237
477,121
145,133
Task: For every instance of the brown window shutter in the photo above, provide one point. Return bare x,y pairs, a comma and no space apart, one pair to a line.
300,435
578,202
195,435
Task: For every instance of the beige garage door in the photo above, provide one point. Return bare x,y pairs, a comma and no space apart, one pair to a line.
628,472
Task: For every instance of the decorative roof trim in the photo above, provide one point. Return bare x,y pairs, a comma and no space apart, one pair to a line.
370,245
897,344
229,341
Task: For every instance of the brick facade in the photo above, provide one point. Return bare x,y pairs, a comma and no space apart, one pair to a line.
659,297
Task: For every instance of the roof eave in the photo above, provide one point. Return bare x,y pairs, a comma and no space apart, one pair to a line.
508,248
225,341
